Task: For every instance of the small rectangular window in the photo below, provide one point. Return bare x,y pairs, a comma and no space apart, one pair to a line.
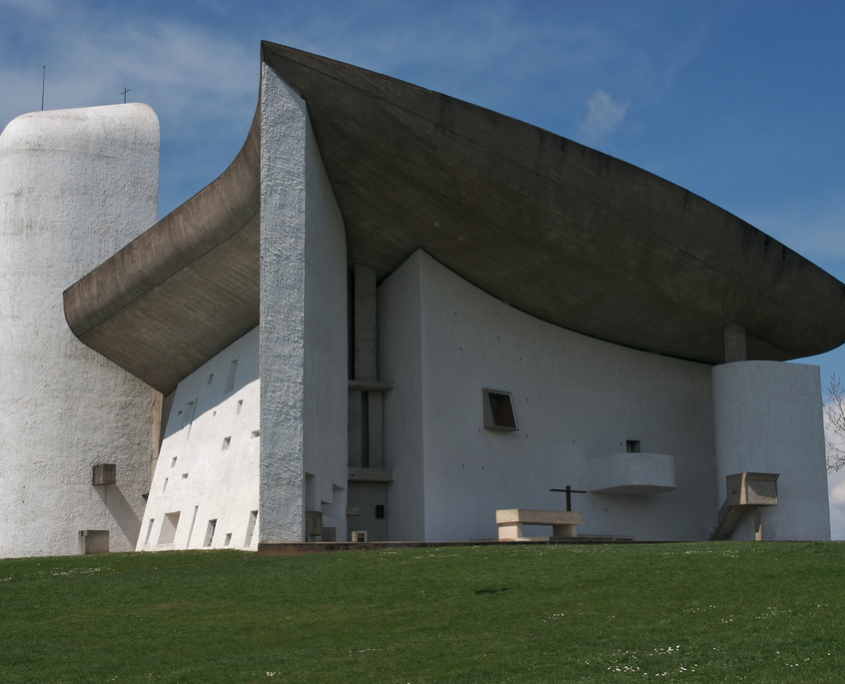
632,446
250,528
209,532
379,512
499,413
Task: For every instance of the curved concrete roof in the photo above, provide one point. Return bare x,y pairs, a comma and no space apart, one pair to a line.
556,229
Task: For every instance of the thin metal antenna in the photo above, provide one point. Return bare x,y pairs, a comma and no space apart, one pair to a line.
43,83
125,90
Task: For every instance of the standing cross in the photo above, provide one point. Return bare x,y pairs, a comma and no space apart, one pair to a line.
125,90
569,492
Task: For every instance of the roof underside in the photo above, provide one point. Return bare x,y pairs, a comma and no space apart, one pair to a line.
556,229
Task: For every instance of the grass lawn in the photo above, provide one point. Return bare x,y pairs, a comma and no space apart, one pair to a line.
704,612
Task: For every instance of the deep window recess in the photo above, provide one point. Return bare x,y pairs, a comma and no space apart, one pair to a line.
168,528
632,446
498,410
379,512
230,376
209,532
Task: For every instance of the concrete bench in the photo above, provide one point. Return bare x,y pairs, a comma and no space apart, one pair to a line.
511,520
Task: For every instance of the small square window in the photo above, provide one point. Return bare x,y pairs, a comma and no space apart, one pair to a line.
632,446
498,410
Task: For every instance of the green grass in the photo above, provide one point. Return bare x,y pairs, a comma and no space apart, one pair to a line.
706,612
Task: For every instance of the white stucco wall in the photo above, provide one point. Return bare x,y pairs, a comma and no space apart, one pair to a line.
769,418
303,324
208,468
75,186
442,340
400,342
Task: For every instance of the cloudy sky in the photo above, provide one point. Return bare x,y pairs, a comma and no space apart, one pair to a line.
740,102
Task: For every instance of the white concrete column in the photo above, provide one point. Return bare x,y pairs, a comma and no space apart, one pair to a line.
75,186
735,349
304,364
768,418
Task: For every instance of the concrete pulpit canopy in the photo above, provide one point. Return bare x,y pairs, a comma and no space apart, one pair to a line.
558,230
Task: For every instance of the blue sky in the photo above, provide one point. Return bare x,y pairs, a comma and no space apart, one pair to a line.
740,102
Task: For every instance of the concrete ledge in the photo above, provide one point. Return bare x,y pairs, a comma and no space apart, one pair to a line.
632,473
370,475
370,386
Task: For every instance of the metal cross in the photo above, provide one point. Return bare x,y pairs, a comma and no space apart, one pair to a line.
569,492
125,90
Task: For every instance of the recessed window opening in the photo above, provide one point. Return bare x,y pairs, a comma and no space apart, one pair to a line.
168,528
498,410
250,528
379,512
230,376
184,476
149,530
209,532
226,442
210,378
632,446
254,434
164,489
188,416
191,528
228,539
240,406
173,462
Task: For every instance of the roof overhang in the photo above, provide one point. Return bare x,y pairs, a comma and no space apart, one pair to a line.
558,230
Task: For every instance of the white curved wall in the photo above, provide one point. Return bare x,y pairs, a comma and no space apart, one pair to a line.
768,418
441,340
75,186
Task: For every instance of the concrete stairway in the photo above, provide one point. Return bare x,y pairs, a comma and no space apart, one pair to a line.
745,490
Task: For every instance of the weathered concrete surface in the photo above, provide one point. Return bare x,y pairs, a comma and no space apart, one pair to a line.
75,186
560,231
185,289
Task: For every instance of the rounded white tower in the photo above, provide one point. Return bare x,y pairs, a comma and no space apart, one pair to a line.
75,186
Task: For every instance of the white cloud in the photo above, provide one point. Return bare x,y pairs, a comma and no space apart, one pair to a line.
604,116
